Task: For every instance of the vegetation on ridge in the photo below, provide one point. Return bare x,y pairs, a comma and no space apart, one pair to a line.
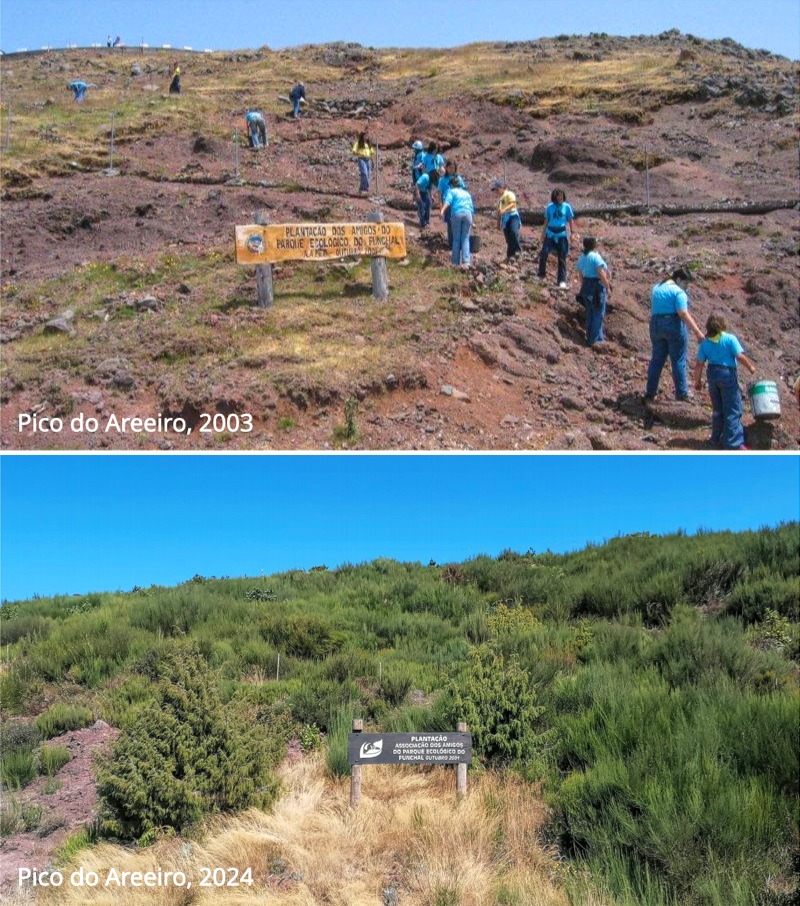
650,686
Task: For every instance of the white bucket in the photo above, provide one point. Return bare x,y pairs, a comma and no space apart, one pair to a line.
764,399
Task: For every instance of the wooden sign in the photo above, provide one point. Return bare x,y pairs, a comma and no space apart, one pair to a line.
257,244
409,748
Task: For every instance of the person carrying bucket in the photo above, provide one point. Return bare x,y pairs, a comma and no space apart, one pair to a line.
723,351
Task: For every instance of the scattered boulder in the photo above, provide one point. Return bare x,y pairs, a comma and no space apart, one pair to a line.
115,372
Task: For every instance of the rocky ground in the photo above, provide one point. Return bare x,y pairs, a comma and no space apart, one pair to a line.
490,359
68,802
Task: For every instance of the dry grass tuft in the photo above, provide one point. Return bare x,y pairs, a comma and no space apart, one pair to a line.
410,833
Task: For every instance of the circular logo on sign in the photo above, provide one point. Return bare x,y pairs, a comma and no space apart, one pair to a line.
255,244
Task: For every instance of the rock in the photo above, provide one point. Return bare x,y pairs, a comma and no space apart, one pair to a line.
115,372
510,420
136,69
390,896
100,725
572,402
390,381
449,390
59,325
147,303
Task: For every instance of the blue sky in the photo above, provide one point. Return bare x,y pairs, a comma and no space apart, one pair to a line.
73,524
226,24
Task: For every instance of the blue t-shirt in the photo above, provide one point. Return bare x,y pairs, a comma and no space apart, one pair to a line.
253,116
590,263
432,161
446,181
460,201
418,155
424,183
722,350
556,216
668,298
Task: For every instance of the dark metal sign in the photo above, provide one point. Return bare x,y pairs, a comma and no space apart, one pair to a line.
409,748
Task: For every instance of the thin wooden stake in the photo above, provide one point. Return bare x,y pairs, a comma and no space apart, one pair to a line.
355,772
461,769
278,668
266,293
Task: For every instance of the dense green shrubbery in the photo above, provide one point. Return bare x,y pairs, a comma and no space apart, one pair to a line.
52,759
666,668
185,757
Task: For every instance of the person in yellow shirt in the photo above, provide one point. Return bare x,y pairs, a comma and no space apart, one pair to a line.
175,84
364,153
508,218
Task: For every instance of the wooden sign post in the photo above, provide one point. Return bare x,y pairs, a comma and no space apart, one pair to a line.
407,748
262,243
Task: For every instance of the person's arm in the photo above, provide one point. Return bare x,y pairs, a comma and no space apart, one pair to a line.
445,207
746,362
698,374
689,321
602,274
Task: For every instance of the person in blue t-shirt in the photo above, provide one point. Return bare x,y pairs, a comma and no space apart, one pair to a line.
431,161
422,196
669,318
556,235
594,290
448,176
419,152
78,90
723,351
459,203
256,128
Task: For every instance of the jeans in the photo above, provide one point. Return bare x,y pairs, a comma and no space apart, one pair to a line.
561,247
511,232
296,103
364,168
462,225
448,219
726,402
424,208
594,298
669,338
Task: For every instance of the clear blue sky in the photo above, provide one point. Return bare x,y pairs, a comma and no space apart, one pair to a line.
73,524
226,24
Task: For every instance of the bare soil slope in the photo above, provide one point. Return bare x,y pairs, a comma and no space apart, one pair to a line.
158,318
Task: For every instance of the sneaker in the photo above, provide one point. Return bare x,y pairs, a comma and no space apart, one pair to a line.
743,447
562,285
649,397
684,397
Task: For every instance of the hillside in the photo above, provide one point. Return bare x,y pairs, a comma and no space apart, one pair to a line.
633,708
156,317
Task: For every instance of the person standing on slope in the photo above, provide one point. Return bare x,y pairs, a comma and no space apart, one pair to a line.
669,318
557,235
175,83
459,203
594,290
722,351
364,153
297,96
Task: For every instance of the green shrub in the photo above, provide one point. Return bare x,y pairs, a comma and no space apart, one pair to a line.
15,688
309,738
10,816
315,701
303,636
76,843
60,718
753,599
341,725
17,768
496,699
395,684
184,757
52,759
19,736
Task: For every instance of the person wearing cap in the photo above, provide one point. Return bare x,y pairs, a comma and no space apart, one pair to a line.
669,318
78,90
297,96
723,351
459,203
448,176
557,235
594,290
422,196
256,128
419,152
364,153
508,218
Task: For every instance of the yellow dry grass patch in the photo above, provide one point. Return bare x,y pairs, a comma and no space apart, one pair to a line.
410,832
